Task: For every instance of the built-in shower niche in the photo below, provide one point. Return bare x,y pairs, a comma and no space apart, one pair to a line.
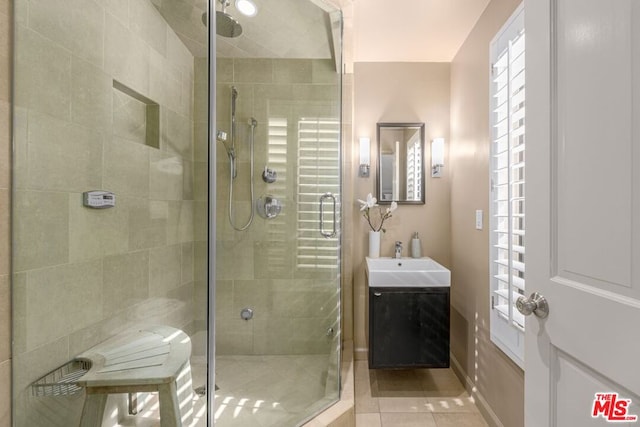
136,118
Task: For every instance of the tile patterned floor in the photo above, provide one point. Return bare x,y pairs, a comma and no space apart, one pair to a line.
254,391
408,398
261,391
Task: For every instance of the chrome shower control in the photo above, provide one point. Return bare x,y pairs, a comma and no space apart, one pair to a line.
246,313
268,207
269,175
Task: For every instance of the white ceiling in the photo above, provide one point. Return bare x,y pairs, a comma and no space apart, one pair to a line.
375,30
412,30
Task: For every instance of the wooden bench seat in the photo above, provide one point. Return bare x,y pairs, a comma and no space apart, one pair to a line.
150,359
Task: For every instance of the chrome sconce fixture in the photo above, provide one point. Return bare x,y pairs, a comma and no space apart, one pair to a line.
365,157
437,157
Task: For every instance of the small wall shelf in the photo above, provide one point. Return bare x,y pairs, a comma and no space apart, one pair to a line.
61,381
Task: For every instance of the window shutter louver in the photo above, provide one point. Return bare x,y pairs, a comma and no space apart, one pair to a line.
507,204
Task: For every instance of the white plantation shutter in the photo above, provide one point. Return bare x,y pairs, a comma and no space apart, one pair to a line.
318,173
414,171
507,228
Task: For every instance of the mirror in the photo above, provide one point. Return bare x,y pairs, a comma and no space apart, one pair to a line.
400,163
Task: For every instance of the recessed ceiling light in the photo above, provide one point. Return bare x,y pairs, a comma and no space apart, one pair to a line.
246,7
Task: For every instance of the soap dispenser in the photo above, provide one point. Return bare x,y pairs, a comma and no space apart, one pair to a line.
416,249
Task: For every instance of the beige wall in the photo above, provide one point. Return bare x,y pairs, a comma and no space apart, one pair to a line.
498,379
399,92
5,251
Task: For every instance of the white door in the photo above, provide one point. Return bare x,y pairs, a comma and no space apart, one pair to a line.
583,211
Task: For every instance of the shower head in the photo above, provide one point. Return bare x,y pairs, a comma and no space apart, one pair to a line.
226,25
253,122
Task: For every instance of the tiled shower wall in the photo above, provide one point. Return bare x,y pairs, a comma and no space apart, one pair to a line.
256,268
82,275
5,194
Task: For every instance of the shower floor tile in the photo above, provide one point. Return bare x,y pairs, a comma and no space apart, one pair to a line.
256,391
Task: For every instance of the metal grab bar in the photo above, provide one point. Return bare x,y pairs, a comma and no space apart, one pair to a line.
334,231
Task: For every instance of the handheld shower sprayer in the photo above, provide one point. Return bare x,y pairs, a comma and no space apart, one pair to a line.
231,152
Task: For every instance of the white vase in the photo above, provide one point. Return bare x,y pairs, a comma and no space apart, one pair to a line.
374,244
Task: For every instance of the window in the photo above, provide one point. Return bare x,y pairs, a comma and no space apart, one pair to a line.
507,231
318,173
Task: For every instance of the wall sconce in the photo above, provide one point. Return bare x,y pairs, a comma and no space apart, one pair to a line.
365,157
437,157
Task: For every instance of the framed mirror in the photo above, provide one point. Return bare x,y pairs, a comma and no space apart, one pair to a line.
400,176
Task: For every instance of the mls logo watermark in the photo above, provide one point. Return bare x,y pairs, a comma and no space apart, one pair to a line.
612,408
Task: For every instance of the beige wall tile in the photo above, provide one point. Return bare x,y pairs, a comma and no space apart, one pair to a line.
20,163
81,32
166,176
186,105
5,52
5,393
232,262
224,69
201,142
67,297
200,260
187,262
126,168
146,22
181,222
200,181
292,71
40,230
126,57
119,9
177,53
200,304
63,156
147,223
125,282
253,70
91,97
5,242
63,92
30,366
177,134
130,118
42,74
164,269
5,7
5,138
5,318
324,72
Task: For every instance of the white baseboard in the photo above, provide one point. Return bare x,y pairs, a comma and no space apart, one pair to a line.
487,412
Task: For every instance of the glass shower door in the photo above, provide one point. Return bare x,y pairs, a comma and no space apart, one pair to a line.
277,296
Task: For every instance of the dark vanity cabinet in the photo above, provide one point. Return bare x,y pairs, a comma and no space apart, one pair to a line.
408,327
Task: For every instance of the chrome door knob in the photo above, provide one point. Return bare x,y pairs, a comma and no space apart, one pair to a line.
536,304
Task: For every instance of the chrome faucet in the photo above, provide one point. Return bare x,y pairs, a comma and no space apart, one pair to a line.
398,249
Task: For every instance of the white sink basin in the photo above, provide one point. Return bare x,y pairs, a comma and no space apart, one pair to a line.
406,272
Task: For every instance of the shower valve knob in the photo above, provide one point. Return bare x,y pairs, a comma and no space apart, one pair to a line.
269,175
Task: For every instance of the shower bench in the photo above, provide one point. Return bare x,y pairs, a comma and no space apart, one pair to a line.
151,359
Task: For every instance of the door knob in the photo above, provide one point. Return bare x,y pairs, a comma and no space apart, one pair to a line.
536,304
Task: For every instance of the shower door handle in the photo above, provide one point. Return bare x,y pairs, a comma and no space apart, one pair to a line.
334,230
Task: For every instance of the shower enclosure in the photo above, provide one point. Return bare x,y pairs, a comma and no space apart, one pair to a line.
137,207
277,299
